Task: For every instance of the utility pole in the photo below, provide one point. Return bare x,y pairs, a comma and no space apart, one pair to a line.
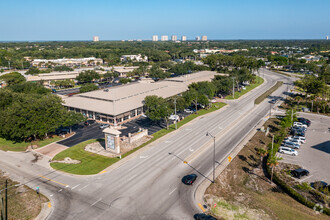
9,64
291,117
270,110
233,88
6,200
176,125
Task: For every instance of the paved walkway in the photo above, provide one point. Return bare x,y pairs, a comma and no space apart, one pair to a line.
51,150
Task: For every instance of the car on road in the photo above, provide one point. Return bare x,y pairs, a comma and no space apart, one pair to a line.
104,126
305,121
288,150
300,172
189,179
291,144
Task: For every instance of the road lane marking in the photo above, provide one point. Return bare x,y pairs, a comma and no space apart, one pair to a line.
49,205
142,157
201,207
172,191
51,195
54,181
75,187
132,177
60,190
96,202
191,149
103,171
83,187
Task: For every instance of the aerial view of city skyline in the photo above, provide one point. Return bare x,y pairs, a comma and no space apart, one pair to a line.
123,20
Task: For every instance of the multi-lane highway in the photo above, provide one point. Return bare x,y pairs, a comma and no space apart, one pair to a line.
149,185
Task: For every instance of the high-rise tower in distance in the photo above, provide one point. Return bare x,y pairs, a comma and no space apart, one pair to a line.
96,38
155,38
184,38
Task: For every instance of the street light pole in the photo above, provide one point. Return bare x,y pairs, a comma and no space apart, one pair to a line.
176,125
233,88
208,134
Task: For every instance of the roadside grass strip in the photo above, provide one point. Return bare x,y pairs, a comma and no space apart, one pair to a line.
92,163
268,92
258,82
7,145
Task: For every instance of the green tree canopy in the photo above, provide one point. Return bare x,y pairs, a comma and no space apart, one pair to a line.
13,78
88,87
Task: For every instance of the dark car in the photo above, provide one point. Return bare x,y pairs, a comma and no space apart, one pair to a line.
297,132
189,179
319,184
89,122
305,121
298,173
203,216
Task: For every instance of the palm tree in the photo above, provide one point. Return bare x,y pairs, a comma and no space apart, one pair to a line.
273,162
298,99
262,152
312,99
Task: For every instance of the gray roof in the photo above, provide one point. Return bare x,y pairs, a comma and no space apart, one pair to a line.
121,99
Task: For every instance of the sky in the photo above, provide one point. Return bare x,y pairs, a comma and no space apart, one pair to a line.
62,20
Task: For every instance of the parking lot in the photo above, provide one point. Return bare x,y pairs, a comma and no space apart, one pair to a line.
314,155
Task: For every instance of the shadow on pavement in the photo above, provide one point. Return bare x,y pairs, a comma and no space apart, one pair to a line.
325,147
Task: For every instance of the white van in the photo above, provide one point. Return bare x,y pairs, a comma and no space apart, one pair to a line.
288,150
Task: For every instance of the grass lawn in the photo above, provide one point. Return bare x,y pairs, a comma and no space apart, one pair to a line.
94,163
258,82
90,163
7,145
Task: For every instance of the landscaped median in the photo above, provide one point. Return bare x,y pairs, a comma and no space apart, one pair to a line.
91,163
247,89
7,145
268,92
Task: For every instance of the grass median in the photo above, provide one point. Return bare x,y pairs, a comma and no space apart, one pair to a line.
258,82
268,92
7,145
93,163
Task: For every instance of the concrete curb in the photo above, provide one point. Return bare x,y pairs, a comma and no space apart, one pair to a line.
45,211
200,191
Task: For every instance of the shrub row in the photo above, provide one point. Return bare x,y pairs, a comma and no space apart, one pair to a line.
267,93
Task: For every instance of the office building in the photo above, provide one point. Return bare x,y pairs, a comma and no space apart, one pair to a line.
120,104
174,38
96,38
155,38
326,37
204,38
198,38
164,38
184,38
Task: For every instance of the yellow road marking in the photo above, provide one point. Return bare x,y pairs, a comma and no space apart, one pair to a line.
54,181
49,205
104,171
201,207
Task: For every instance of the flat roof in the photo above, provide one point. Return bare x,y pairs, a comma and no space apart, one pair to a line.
121,99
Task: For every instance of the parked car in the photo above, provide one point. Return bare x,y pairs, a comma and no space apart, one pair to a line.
188,111
291,144
299,124
288,150
297,132
203,216
174,117
302,139
273,101
319,184
189,179
298,173
294,140
104,126
305,121
89,122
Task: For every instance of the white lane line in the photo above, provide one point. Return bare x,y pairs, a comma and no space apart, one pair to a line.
166,142
132,177
301,180
83,187
191,149
51,195
96,201
188,129
75,187
66,186
60,190
172,191
142,157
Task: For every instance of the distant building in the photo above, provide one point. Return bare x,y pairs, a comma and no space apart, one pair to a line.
136,58
204,38
198,38
155,38
164,38
184,38
326,37
90,61
174,38
96,38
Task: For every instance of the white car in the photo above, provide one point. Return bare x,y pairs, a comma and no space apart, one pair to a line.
104,126
291,144
287,150
294,140
189,111
299,124
301,139
174,117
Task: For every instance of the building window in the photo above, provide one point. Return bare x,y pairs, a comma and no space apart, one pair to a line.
97,116
71,109
133,113
126,117
104,119
90,114
139,111
83,112
78,110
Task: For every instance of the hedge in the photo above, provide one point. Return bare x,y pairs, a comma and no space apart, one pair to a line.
268,92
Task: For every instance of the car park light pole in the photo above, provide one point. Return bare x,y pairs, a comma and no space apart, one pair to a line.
208,134
176,125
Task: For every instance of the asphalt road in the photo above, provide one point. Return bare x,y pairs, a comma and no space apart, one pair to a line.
149,185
